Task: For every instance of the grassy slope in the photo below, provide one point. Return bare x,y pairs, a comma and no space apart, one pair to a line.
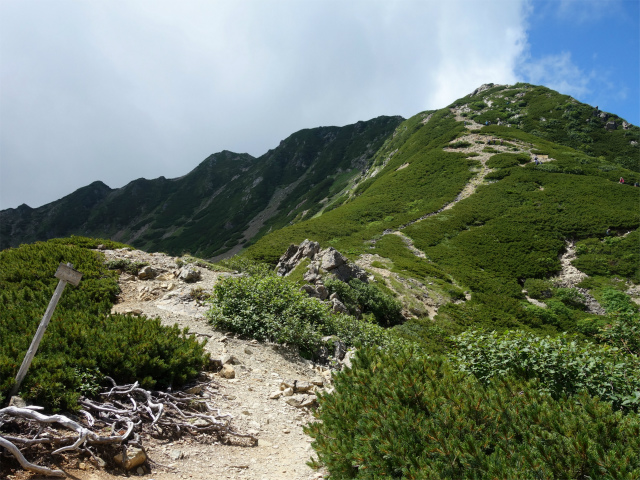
513,227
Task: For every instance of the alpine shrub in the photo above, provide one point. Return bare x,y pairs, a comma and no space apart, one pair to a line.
399,414
562,365
83,341
273,308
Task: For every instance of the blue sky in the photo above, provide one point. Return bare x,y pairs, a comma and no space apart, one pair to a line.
115,90
590,50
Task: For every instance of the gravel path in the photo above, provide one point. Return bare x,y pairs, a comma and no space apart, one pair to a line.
282,450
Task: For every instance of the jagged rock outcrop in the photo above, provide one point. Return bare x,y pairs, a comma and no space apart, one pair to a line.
323,261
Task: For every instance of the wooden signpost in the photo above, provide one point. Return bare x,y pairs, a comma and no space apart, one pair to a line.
66,274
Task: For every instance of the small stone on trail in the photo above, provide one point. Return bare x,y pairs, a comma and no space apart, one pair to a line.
275,395
227,372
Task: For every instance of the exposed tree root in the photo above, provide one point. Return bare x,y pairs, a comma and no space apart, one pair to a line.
121,411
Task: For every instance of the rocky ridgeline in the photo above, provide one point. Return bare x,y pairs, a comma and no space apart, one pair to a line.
323,262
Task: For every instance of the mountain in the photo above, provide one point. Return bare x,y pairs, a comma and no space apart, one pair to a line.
224,202
477,201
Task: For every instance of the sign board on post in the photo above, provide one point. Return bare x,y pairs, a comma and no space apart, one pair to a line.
66,274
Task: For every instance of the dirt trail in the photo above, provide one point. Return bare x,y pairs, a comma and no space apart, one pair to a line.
283,449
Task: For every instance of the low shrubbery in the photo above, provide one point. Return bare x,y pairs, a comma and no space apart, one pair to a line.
268,307
398,414
563,365
368,299
83,341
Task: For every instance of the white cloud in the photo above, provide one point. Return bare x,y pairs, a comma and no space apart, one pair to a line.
122,89
560,73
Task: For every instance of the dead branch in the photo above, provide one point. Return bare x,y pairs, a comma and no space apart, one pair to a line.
124,408
25,463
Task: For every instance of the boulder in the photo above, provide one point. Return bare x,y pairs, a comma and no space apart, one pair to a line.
146,273
338,307
189,275
228,372
295,254
331,259
134,458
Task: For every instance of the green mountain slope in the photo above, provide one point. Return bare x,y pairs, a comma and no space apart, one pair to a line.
490,195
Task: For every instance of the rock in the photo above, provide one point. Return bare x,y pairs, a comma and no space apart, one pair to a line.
195,390
101,247
332,259
322,292
318,382
293,401
135,457
227,371
146,273
17,402
176,455
310,401
189,275
264,443
610,125
338,307
248,351
166,276
295,254
302,387
347,358
287,392
275,395
140,471
334,295
347,271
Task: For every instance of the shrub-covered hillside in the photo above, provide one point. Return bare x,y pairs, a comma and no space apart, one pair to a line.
512,199
83,341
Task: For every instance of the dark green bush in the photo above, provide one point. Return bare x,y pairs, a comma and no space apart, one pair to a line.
537,288
460,144
82,335
398,414
505,160
571,297
126,265
367,298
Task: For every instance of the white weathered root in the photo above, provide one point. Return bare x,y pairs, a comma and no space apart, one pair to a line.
124,408
25,463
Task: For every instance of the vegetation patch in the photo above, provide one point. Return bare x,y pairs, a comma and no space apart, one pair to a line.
399,414
84,341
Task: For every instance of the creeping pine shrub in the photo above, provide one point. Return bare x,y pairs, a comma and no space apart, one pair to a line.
126,265
83,342
273,308
368,299
537,288
562,365
624,330
399,414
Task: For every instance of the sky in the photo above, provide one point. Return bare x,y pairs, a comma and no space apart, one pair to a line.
115,90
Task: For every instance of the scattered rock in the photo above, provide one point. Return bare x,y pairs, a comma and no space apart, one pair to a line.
135,457
275,395
189,275
176,455
146,273
227,371
18,402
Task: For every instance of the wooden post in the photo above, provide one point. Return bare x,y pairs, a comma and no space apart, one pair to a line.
66,274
